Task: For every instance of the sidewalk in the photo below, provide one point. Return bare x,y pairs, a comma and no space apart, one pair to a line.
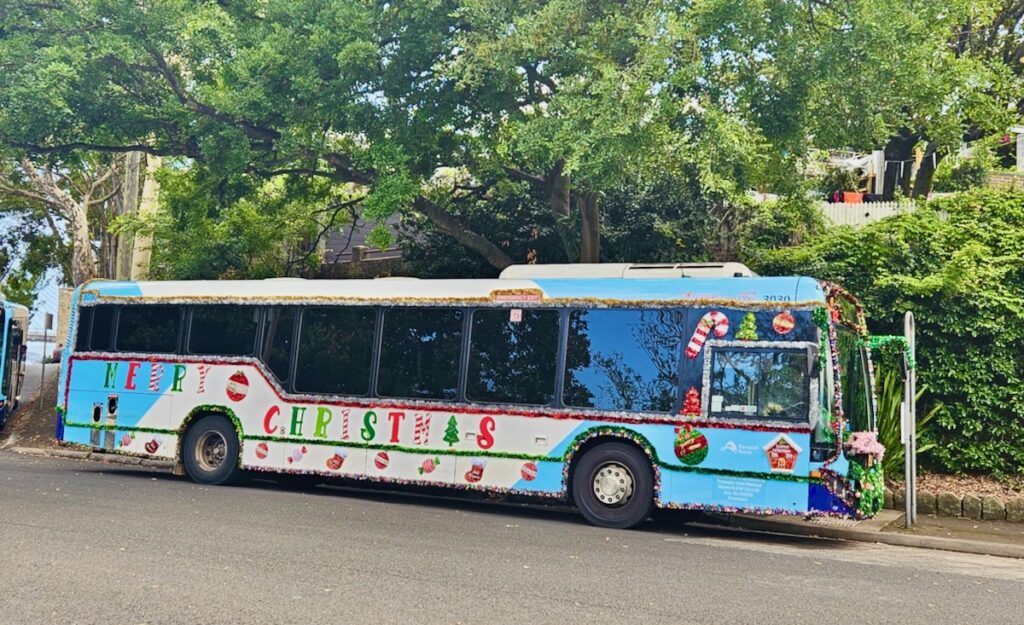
930,532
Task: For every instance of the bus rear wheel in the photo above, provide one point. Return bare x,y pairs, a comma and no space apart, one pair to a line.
210,451
613,486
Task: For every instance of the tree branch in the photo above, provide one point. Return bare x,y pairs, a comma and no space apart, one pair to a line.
448,224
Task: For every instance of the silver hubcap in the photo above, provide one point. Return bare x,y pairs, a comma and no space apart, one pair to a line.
613,484
211,450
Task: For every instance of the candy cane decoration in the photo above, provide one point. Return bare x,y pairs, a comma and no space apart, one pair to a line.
422,431
203,370
155,373
713,319
344,424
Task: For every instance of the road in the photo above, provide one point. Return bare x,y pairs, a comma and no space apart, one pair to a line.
84,543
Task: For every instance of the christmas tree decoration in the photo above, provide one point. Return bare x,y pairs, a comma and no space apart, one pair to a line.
872,487
529,471
784,322
691,445
748,328
381,460
262,450
476,470
334,462
429,465
691,403
238,386
451,433
712,320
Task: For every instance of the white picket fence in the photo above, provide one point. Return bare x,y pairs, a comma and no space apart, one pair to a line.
842,214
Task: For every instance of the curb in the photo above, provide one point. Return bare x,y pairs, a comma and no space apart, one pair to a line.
798,528
76,454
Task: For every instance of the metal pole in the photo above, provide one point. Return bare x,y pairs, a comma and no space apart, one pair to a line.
910,423
42,371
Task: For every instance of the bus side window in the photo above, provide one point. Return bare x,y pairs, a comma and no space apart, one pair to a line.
278,336
336,350
149,328
223,330
101,332
513,356
420,349
84,328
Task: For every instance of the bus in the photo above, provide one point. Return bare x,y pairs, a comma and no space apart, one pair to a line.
619,388
12,357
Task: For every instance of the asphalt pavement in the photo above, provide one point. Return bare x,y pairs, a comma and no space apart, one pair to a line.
83,542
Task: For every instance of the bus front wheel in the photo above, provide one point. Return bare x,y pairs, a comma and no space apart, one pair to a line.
613,485
210,451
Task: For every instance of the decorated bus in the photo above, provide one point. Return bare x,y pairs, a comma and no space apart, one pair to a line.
12,357
618,387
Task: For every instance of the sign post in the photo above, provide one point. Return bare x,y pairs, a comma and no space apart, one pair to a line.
42,370
909,414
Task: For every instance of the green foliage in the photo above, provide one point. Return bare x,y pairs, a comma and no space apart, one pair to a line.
889,388
964,174
839,179
958,264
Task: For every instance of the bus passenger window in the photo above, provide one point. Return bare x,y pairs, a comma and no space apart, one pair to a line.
276,353
102,334
622,360
223,330
750,383
512,356
420,350
148,328
335,350
84,326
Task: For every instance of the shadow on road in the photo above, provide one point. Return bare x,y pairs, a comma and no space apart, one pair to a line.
666,523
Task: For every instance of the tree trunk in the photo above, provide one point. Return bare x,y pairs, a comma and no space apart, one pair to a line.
83,266
926,172
142,248
590,227
129,206
451,226
559,185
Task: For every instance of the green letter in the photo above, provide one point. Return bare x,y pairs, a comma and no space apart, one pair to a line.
323,417
298,412
111,375
179,375
369,420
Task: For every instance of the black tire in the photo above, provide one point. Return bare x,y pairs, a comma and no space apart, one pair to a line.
613,463
210,451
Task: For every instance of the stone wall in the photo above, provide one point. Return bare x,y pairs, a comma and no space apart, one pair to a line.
969,506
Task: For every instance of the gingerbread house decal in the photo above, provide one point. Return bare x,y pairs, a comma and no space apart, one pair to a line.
782,453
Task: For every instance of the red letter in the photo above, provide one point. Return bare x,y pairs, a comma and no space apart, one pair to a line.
484,438
396,420
267,426
129,383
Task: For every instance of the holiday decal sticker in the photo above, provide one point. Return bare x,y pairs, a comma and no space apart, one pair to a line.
238,386
691,445
782,453
783,322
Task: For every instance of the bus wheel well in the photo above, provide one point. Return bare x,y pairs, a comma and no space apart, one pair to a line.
206,411
596,439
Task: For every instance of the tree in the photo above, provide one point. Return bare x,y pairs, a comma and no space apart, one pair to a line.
748,328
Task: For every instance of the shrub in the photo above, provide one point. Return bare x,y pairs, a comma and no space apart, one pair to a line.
958,264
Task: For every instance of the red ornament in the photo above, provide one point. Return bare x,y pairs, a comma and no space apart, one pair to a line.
529,471
691,445
238,386
783,322
262,451
152,446
382,460
691,403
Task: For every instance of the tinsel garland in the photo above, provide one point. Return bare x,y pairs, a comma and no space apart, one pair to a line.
890,346
870,495
573,414
481,301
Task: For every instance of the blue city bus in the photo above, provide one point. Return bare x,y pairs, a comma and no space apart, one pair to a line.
619,388
12,358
